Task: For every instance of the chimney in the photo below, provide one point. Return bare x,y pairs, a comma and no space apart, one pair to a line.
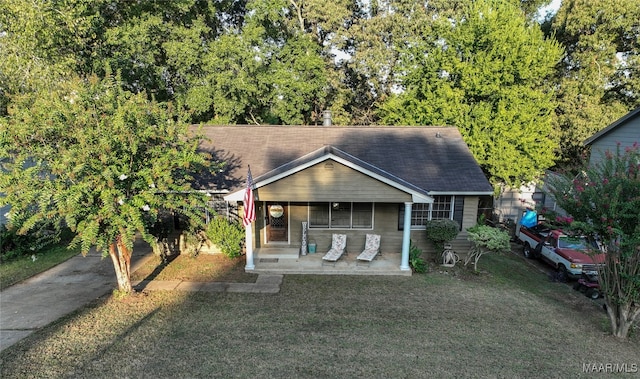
326,118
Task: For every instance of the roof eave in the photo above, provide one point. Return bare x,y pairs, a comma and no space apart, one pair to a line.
612,126
330,153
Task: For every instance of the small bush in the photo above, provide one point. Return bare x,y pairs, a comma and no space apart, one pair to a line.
415,259
227,235
486,239
440,232
14,245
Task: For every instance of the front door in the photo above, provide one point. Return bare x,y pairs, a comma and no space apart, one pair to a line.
277,222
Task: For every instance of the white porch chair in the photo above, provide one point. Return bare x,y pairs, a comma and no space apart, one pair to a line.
338,247
371,248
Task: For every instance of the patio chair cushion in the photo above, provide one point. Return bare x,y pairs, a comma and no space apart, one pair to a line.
338,245
371,248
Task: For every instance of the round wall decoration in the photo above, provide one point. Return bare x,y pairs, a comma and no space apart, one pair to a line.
276,211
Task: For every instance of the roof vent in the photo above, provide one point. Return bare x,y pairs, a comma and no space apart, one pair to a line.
326,118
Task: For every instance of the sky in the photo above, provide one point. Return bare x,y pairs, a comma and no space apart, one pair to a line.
554,6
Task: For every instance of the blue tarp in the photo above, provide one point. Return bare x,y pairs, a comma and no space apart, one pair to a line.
529,219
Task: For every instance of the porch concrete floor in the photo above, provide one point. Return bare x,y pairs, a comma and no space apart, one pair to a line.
289,261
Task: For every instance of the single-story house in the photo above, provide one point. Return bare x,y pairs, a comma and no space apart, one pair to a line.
348,180
623,132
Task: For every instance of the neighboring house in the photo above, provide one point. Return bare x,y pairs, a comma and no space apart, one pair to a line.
512,203
624,132
348,180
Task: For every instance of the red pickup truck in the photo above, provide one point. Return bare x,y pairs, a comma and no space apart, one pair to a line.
567,254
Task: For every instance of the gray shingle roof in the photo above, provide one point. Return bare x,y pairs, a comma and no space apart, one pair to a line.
434,159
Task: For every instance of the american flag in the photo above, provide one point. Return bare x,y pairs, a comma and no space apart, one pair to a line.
249,205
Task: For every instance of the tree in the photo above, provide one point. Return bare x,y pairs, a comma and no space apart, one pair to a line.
486,239
38,43
101,160
599,75
606,200
485,71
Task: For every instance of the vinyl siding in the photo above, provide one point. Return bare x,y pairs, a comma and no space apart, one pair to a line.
385,223
626,135
330,181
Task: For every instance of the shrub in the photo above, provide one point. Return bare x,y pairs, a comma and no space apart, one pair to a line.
227,235
191,242
440,232
14,245
415,259
486,239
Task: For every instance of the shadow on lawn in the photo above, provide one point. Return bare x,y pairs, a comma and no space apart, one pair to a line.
154,274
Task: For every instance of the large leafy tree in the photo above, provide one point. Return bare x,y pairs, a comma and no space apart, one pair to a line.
39,42
484,71
228,61
599,75
606,199
99,159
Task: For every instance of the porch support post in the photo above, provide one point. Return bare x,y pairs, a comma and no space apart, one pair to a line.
406,237
249,247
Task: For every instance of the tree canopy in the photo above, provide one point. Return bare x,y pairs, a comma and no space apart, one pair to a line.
99,159
483,66
598,79
486,71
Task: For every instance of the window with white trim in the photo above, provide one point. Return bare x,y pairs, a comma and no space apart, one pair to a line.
441,208
419,214
341,215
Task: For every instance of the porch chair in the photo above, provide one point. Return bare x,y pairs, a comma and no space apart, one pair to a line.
371,248
338,247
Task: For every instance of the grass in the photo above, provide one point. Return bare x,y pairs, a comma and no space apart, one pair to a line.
202,268
16,270
506,321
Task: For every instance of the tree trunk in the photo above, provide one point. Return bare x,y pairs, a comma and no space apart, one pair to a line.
622,318
121,257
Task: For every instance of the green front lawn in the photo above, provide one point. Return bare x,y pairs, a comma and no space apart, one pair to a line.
19,269
508,321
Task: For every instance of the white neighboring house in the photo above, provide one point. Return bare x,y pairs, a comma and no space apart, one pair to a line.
623,132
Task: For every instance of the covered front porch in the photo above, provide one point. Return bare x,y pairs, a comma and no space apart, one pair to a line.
287,260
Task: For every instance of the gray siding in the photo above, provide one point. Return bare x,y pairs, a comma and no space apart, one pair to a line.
385,223
330,181
626,135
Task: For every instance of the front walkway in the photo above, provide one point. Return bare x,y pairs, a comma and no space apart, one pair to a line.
264,284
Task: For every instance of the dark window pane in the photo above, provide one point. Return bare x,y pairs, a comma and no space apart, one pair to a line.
340,215
362,215
419,214
441,207
319,215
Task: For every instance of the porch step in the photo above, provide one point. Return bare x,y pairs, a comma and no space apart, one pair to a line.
277,252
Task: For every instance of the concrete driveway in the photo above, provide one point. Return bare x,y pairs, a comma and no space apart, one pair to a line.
44,298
